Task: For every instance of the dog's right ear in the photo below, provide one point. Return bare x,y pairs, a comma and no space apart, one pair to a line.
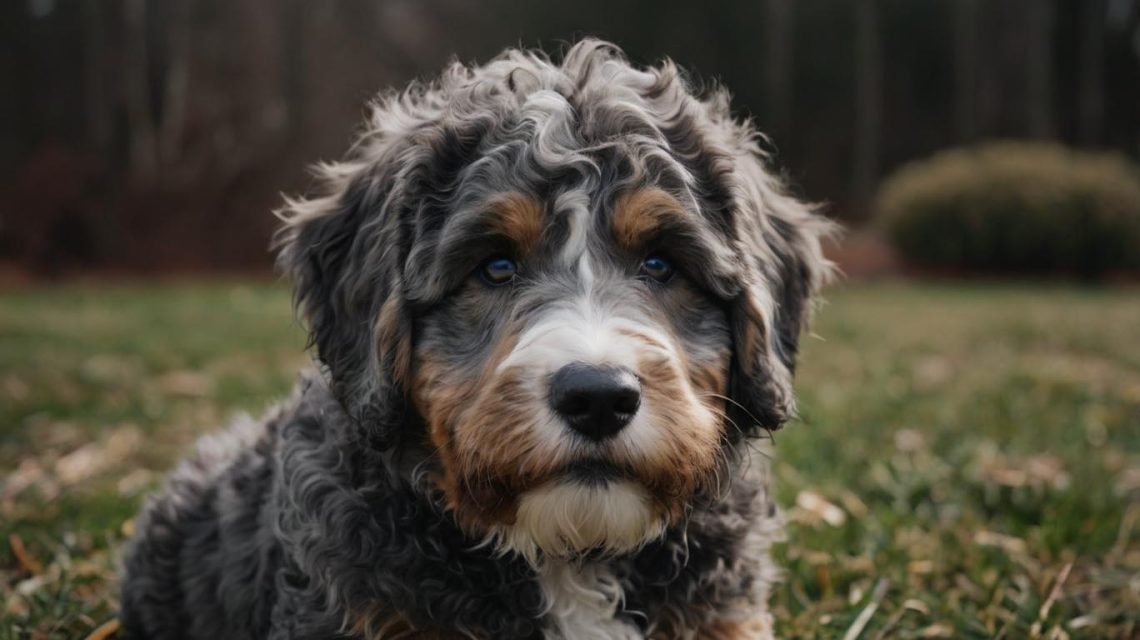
344,252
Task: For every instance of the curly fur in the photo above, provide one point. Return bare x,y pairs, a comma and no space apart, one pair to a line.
340,514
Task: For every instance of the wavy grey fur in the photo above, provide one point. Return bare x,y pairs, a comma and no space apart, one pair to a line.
319,515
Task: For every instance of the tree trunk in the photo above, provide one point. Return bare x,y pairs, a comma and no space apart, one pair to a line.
293,48
780,50
136,86
1040,16
179,28
97,111
966,69
1091,107
868,100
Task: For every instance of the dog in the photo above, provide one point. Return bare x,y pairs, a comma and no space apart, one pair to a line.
554,306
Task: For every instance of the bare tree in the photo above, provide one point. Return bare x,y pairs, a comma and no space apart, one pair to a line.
780,40
1091,106
293,64
966,57
136,87
868,99
178,27
97,107
1040,18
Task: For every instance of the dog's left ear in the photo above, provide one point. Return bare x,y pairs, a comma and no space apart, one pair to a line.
784,268
343,251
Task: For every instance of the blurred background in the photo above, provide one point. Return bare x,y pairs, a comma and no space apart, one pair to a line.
156,135
966,459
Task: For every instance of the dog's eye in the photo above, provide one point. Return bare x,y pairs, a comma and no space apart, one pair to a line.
657,267
498,271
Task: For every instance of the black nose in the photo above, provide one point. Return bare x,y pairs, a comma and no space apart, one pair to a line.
595,401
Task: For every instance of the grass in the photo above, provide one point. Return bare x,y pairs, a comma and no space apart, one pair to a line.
967,463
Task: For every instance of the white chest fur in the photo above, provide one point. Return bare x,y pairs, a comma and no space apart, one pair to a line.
582,602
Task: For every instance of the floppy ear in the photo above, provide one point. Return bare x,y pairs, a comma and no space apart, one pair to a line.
344,251
784,268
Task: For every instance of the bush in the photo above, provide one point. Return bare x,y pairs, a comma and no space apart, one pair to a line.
1016,207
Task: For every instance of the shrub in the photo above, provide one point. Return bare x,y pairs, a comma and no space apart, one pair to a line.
1016,207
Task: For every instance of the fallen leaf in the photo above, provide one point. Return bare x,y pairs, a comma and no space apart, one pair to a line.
105,630
30,564
1008,544
185,383
817,505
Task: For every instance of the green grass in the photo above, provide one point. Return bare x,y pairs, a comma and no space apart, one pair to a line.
967,463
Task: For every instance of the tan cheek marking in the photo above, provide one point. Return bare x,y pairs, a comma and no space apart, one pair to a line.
710,377
502,442
689,414
710,380
481,429
485,478
441,396
637,214
520,218
751,335
500,353
395,340
686,455
436,398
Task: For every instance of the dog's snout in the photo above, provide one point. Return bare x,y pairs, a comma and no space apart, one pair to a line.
597,402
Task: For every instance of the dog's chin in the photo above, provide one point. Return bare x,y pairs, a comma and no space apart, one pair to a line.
576,516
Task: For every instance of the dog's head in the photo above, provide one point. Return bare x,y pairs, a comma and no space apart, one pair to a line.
576,283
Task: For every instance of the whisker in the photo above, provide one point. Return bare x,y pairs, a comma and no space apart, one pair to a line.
747,442
767,430
709,394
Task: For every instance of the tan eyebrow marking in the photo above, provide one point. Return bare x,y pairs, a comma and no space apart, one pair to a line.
637,214
518,217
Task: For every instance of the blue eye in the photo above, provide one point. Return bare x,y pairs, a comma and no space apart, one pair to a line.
498,271
658,268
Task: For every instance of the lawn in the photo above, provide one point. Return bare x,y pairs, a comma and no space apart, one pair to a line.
967,462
